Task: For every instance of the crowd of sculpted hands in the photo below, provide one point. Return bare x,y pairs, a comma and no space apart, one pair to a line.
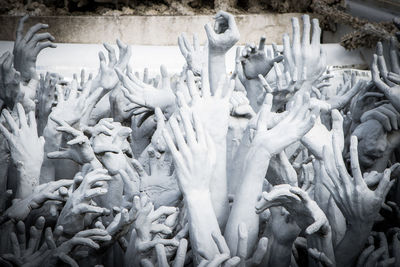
272,165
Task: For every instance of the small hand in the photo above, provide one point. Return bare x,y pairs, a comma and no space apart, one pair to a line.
79,203
146,96
146,224
304,210
72,108
21,208
107,78
79,149
46,97
194,56
255,61
378,69
224,35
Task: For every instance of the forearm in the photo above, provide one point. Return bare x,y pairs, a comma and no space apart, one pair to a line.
219,186
254,89
4,162
216,68
246,197
394,99
52,143
312,140
28,179
202,223
352,243
278,255
322,243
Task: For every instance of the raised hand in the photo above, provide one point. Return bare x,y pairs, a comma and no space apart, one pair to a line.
9,81
144,96
358,195
195,56
147,226
359,205
195,158
80,200
34,252
26,250
162,259
304,210
379,72
223,258
83,81
107,77
79,150
301,118
386,114
344,95
46,97
21,208
26,148
110,145
224,35
282,231
72,108
314,141
305,57
159,183
28,47
194,161
255,61
212,109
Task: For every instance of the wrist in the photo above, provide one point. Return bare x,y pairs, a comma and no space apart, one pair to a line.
259,149
27,181
196,195
96,164
95,83
213,52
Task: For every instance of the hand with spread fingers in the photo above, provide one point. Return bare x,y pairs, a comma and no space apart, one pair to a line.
73,105
304,59
255,61
359,205
27,47
379,73
193,54
107,77
21,208
46,96
147,224
89,184
26,147
79,147
53,248
304,210
144,96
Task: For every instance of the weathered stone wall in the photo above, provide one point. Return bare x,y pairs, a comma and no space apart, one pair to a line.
148,30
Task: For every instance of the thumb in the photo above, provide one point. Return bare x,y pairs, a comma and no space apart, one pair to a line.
210,32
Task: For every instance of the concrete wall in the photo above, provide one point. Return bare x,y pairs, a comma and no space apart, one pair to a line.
148,30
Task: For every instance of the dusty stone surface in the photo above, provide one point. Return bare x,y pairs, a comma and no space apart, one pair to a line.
148,30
